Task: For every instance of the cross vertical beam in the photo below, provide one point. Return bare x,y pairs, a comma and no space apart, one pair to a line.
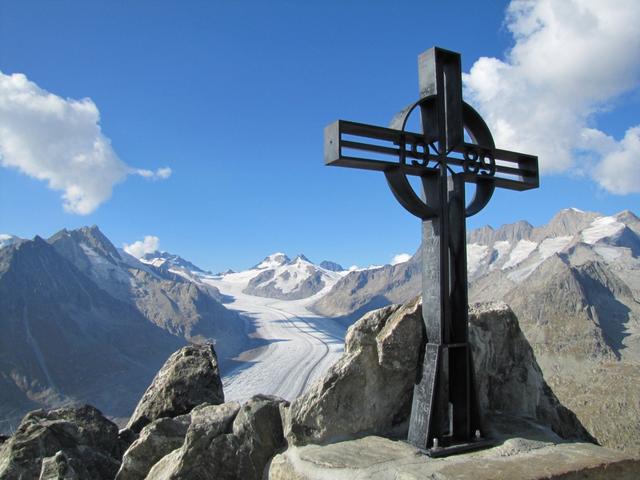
441,401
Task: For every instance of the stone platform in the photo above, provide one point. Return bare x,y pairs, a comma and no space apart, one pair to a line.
379,458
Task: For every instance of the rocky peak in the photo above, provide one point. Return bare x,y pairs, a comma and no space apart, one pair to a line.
188,378
300,258
568,221
7,240
630,220
167,260
331,266
512,232
483,235
83,244
274,260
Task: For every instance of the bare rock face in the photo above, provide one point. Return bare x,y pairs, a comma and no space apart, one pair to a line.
189,378
369,390
61,467
156,440
226,441
73,441
508,378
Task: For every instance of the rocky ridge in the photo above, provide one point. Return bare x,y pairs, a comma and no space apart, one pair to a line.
357,397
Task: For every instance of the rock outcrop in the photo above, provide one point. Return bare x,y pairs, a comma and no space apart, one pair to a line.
156,440
508,378
65,443
189,378
368,391
226,441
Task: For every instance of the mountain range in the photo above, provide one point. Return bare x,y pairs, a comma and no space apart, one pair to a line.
574,285
83,320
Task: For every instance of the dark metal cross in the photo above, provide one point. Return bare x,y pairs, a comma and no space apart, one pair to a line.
454,148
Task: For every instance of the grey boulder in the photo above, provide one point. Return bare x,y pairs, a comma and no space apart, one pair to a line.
80,440
62,467
156,440
508,378
226,442
189,378
369,390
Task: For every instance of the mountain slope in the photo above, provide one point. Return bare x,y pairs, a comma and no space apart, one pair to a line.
363,290
66,340
164,296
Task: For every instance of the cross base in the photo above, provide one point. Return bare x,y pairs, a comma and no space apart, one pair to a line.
457,448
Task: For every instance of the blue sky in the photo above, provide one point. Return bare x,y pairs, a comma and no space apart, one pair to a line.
233,96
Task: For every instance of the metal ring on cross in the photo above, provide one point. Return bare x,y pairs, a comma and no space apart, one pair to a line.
473,162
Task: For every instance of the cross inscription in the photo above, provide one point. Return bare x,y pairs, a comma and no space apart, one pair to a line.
455,147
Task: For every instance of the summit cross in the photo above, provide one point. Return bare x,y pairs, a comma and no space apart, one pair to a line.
455,147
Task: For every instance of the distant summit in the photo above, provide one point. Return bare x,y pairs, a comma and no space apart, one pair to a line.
332,266
280,277
168,260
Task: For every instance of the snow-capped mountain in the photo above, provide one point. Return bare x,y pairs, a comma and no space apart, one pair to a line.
519,249
82,321
6,239
282,278
168,261
508,255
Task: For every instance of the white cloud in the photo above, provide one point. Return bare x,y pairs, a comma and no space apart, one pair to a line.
141,247
571,60
400,258
60,141
159,174
619,170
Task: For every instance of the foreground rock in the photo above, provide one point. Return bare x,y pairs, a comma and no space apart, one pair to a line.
518,458
226,441
369,390
76,442
156,440
189,378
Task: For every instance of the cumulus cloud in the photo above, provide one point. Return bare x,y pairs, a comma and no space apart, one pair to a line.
400,258
60,141
140,248
571,60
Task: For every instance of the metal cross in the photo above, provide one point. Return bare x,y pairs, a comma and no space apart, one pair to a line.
443,412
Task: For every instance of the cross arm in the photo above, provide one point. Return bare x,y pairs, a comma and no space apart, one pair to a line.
369,147
345,142
510,170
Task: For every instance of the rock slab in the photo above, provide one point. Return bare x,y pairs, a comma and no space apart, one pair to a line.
379,458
